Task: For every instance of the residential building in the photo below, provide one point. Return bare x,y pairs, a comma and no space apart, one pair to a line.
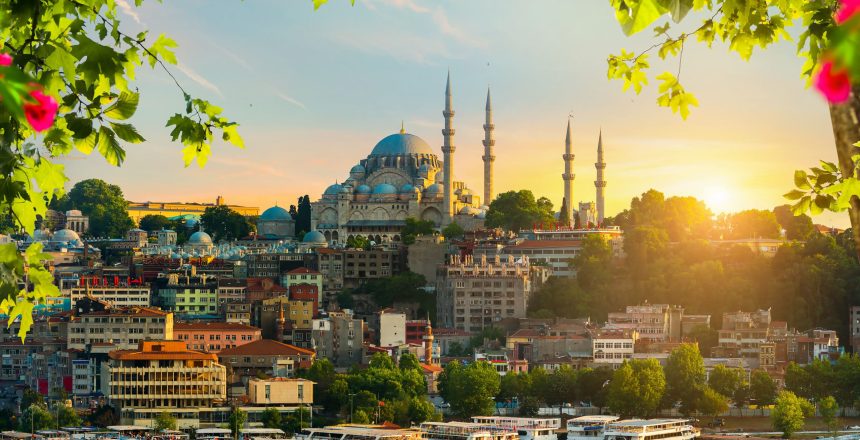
340,338
613,346
743,332
231,290
303,275
653,322
280,391
550,342
212,337
392,328
162,376
274,265
121,327
306,292
122,295
361,265
502,363
474,295
331,268
416,329
238,312
425,254
263,288
187,294
262,357
445,338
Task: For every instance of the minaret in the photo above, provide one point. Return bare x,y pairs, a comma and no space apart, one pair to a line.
488,157
428,343
448,153
599,184
568,175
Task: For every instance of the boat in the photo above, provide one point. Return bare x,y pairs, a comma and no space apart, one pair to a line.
262,434
588,427
526,428
466,431
652,429
53,435
127,432
213,434
170,435
359,432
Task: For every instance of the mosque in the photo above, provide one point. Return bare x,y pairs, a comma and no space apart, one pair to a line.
403,177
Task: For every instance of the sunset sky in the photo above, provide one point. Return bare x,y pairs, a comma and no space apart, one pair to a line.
315,91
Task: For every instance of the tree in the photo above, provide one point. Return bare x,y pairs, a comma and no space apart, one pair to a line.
593,263
685,377
155,222
453,230
754,223
271,418
36,418
415,228
827,44
593,385
303,216
636,388
165,421
705,337
725,380
798,380
827,407
296,421
470,389
237,419
104,416
762,388
561,297
67,416
789,413
103,203
711,403
31,397
515,210
357,242
563,215
225,224
797,227
742,395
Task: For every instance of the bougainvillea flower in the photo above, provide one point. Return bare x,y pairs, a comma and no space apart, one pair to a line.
5,59
834,84
41,114
848,9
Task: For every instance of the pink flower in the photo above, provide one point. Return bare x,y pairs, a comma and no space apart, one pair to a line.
848,9
834,85
5,59
41,114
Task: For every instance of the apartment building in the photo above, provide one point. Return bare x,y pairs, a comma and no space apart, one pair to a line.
280,391
613,346
161,376
653,322
742,333
303,275
340,338
119,296
212,337
189,295
122,328
264,357
474,295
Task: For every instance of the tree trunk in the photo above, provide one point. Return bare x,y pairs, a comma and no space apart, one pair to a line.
845,119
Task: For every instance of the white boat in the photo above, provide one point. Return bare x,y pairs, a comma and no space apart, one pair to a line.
526,428
128,432
262,434
588,427
652,429
466,431
358,432
53,435
213,434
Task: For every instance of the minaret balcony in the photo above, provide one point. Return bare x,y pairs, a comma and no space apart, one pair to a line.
448,113
489,142
600,165
568,156
600,184
489,158
489,126
448,132
570,176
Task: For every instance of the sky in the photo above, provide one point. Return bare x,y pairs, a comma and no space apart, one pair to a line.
314,91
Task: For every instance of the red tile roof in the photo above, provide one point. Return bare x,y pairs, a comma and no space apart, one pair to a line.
301,270
266,347
224,326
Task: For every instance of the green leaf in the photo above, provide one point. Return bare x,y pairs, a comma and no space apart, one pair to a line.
127,132
794,194
87,144
800,180
80,127
679,9
163,47
231,135
109,147
124,107
24,309
640,15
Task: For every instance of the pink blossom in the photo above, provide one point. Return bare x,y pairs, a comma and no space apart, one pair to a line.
835,85
5,59
41,114
848,9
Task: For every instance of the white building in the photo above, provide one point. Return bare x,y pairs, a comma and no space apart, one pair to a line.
392,328
121,296
613,347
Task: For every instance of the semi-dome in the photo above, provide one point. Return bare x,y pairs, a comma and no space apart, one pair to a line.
407,188
346,189
358,169
333,189
384,188
276,213
362,189
314,237
200,238
434,189
401,144
66,235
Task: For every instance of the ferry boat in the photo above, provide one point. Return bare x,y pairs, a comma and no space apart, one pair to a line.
652,429
525,427
213,434
588,427
262,434
466,431
127,432
53,435
359,432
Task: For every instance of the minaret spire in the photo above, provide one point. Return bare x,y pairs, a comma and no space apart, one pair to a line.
600,183
448,149
568,175
488,157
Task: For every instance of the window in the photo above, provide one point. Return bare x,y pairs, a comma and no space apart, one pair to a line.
269,391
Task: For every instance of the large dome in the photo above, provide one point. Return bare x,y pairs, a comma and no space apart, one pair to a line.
66,235
276,213
315,237
384,188
200,238
401,144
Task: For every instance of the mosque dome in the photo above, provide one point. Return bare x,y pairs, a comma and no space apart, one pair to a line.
362,189
434,189
333,189
346,189
407,188
200,238
468,210
384,188
191,222
358,169
66,235
314,237
399,144
482,215
276,213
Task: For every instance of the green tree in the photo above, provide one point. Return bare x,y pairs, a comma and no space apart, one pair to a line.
828,408
165,421
357,242
31,397
155,222
741,397
225,224
592,385
103,203
564,216
725,380
754,223
470,389
515,210
685,377
36,418
798,380
593,263
67,416
453,230
303,216
414,228
797,227
236,420
636,388
790,413
271,418
296,421
711,403
561,297
762,388
706,337
7,419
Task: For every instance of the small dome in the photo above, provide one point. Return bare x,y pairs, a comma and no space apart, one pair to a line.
276,213
73,213
200,238
358,169
384,188
407,188
190,223
314,237
333,189
346,189
434,189
362,189
401,144
468,210
67,235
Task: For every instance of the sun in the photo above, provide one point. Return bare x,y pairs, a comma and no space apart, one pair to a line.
717,197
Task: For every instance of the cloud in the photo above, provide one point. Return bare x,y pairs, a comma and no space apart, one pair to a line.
199,79
290,99
129,10
439,17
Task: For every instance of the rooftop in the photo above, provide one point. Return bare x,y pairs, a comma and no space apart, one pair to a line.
265,347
